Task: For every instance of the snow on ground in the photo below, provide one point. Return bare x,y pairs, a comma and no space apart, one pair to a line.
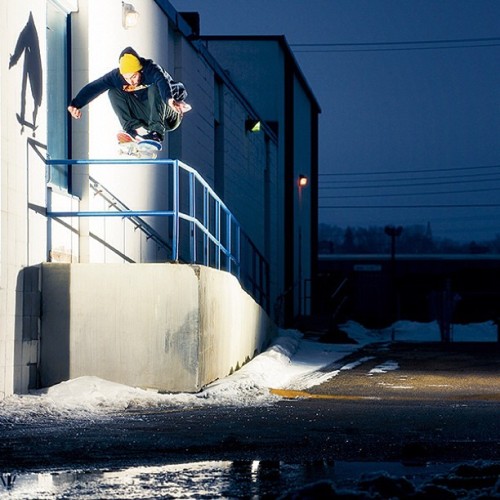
384,367
291,362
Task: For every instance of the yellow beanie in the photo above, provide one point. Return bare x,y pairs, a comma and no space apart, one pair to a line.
129,64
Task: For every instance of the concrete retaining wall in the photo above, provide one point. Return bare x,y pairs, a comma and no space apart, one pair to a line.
171,327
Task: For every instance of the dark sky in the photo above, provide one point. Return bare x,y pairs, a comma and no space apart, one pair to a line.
409,132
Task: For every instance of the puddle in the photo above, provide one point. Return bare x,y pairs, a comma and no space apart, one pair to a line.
245,479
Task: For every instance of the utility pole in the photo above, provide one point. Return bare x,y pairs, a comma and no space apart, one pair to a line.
394,232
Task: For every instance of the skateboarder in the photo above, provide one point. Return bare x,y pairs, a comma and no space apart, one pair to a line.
147,101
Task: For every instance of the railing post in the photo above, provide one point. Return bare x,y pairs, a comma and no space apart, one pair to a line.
229,242
217,233
206,222
238,248
192,208
175,222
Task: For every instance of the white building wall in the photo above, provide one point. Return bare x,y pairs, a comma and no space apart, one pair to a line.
22,228
28,238
98,39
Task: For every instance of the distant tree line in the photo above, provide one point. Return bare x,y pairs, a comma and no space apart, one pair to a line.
415,239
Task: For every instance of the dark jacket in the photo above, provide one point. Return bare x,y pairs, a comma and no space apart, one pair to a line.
152,74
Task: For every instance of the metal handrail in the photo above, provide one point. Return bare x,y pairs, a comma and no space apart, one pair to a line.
221,234
142,225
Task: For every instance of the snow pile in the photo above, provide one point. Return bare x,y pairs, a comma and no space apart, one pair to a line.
291,362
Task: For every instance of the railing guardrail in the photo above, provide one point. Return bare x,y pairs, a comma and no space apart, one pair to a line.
203,230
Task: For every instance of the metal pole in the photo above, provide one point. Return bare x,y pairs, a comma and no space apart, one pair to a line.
192,207
175,222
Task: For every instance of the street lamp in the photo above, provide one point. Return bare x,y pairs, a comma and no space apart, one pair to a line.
394,232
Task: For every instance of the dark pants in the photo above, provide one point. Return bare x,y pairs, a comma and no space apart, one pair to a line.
151,113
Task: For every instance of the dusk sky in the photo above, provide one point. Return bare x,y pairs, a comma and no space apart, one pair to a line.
410,99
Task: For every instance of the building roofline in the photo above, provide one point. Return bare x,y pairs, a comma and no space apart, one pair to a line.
282,41
197,43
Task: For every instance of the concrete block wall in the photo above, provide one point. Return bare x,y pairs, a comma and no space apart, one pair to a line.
22,229
170,327
195,138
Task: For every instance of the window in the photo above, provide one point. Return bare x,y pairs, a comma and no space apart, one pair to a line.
57,93
219,137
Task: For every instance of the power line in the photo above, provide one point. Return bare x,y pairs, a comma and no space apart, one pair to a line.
409,42
392,179
387,195
441,47
382,186
390,172
371,207
397,46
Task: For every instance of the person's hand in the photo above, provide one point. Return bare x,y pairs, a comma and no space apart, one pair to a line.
74,112
176,106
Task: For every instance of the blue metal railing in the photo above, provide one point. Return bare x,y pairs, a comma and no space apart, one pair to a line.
138,223
202,230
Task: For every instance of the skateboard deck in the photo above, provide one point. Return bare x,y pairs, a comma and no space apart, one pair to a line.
142,148
25,123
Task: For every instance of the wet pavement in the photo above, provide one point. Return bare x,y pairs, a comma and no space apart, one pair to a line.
411,404
418,371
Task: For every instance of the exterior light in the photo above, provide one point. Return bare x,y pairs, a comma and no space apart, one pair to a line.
252,125
301,184
130,16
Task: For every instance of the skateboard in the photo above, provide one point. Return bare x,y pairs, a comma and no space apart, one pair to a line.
25,123
145,148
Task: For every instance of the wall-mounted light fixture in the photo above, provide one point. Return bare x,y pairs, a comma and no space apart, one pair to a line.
302,181
252,125
130,16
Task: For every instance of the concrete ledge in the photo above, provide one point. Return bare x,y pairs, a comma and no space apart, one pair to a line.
171,327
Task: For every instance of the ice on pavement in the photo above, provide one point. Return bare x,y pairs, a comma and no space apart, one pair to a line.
291,362
384,367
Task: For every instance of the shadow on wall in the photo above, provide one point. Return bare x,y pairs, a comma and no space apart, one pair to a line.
28,44
27,330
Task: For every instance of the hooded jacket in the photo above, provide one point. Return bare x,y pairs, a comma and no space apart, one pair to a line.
152,74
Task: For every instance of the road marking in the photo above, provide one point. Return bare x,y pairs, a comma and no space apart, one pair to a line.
292,394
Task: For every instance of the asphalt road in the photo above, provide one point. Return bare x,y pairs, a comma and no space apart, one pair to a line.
441,404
